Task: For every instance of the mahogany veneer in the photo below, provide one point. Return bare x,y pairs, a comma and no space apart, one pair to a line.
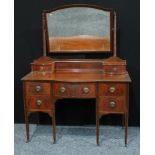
76,43
111,104
110,90
74,90
37,88
39,102
106,80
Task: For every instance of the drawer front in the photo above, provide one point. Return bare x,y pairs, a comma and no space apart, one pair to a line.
42,67
112,104
66,90
114,69
39,102
86,90
37,88
112,89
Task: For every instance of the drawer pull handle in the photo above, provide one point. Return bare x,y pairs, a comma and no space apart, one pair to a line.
62,89
112,104
39,102
112,89
85,90
38,88
114,69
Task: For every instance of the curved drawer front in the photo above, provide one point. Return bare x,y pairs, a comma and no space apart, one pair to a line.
37,88
112,104
71,90
112,89
39,102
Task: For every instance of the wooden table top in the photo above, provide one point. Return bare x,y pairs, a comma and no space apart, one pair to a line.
75,77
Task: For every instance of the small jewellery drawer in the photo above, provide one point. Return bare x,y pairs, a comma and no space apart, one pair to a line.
112,89
42,67
37,88
112,104
39,102
79,90
114,69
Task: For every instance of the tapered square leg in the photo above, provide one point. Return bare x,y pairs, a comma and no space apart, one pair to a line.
97,129
123,121
27,128
126,128
54,129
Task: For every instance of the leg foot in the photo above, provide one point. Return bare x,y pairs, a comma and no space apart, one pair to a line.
126,128
97,130
54,129
27,129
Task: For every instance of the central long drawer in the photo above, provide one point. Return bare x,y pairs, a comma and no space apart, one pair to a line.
75,90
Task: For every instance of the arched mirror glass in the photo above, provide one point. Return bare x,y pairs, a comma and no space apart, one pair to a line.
79,29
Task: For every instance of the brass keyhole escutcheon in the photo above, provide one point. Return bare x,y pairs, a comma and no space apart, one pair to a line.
114,69
39,102
112,104
62,89
85,90
112,89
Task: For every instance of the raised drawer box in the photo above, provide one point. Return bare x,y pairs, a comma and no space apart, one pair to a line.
114,65
43,64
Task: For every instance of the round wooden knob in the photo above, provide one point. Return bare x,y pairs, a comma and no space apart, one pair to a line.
62,89
112,89
112,104
38,88
39,102
86,90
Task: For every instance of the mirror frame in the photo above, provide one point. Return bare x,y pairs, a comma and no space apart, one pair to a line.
112,29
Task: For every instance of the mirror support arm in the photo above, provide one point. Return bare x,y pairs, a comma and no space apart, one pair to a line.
115,36
43,31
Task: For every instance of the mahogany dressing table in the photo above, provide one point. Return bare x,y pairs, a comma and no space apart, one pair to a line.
78,29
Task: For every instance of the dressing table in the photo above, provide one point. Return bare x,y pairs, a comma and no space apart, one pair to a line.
78,28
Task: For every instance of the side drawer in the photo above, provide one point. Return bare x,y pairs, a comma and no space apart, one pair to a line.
114,69
38,102
112,89
112,104
37,88
42,68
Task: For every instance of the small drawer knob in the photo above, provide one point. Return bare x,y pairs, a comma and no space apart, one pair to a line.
62,89
112,89
39,102
41,68
38,88
114,69
112,104
85,90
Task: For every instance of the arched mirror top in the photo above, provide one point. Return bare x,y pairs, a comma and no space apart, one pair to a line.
78,28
